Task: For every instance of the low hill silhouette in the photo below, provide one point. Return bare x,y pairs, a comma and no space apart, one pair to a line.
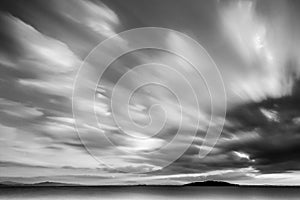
46,183
210,183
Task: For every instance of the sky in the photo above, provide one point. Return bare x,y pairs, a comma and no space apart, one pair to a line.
255,46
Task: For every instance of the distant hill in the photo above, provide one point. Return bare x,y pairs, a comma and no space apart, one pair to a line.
210,183
54,184
48,183
9,183
196,184
41,184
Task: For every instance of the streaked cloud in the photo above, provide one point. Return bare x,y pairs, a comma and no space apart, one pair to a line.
256,52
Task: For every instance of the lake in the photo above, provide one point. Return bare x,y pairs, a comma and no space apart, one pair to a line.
149,192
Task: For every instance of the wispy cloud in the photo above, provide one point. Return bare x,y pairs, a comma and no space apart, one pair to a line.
43,46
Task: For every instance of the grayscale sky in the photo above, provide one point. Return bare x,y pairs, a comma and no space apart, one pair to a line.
255,45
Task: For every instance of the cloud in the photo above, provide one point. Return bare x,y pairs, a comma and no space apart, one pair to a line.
272,140
251,138
41,54
264,55
94,15
18,110
42,51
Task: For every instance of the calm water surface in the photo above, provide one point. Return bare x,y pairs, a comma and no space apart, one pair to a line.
132,193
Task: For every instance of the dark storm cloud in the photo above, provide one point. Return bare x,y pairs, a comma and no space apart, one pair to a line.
275,147
264,136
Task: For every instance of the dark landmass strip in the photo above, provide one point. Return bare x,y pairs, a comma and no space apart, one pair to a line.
193,184
211,183
41,184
